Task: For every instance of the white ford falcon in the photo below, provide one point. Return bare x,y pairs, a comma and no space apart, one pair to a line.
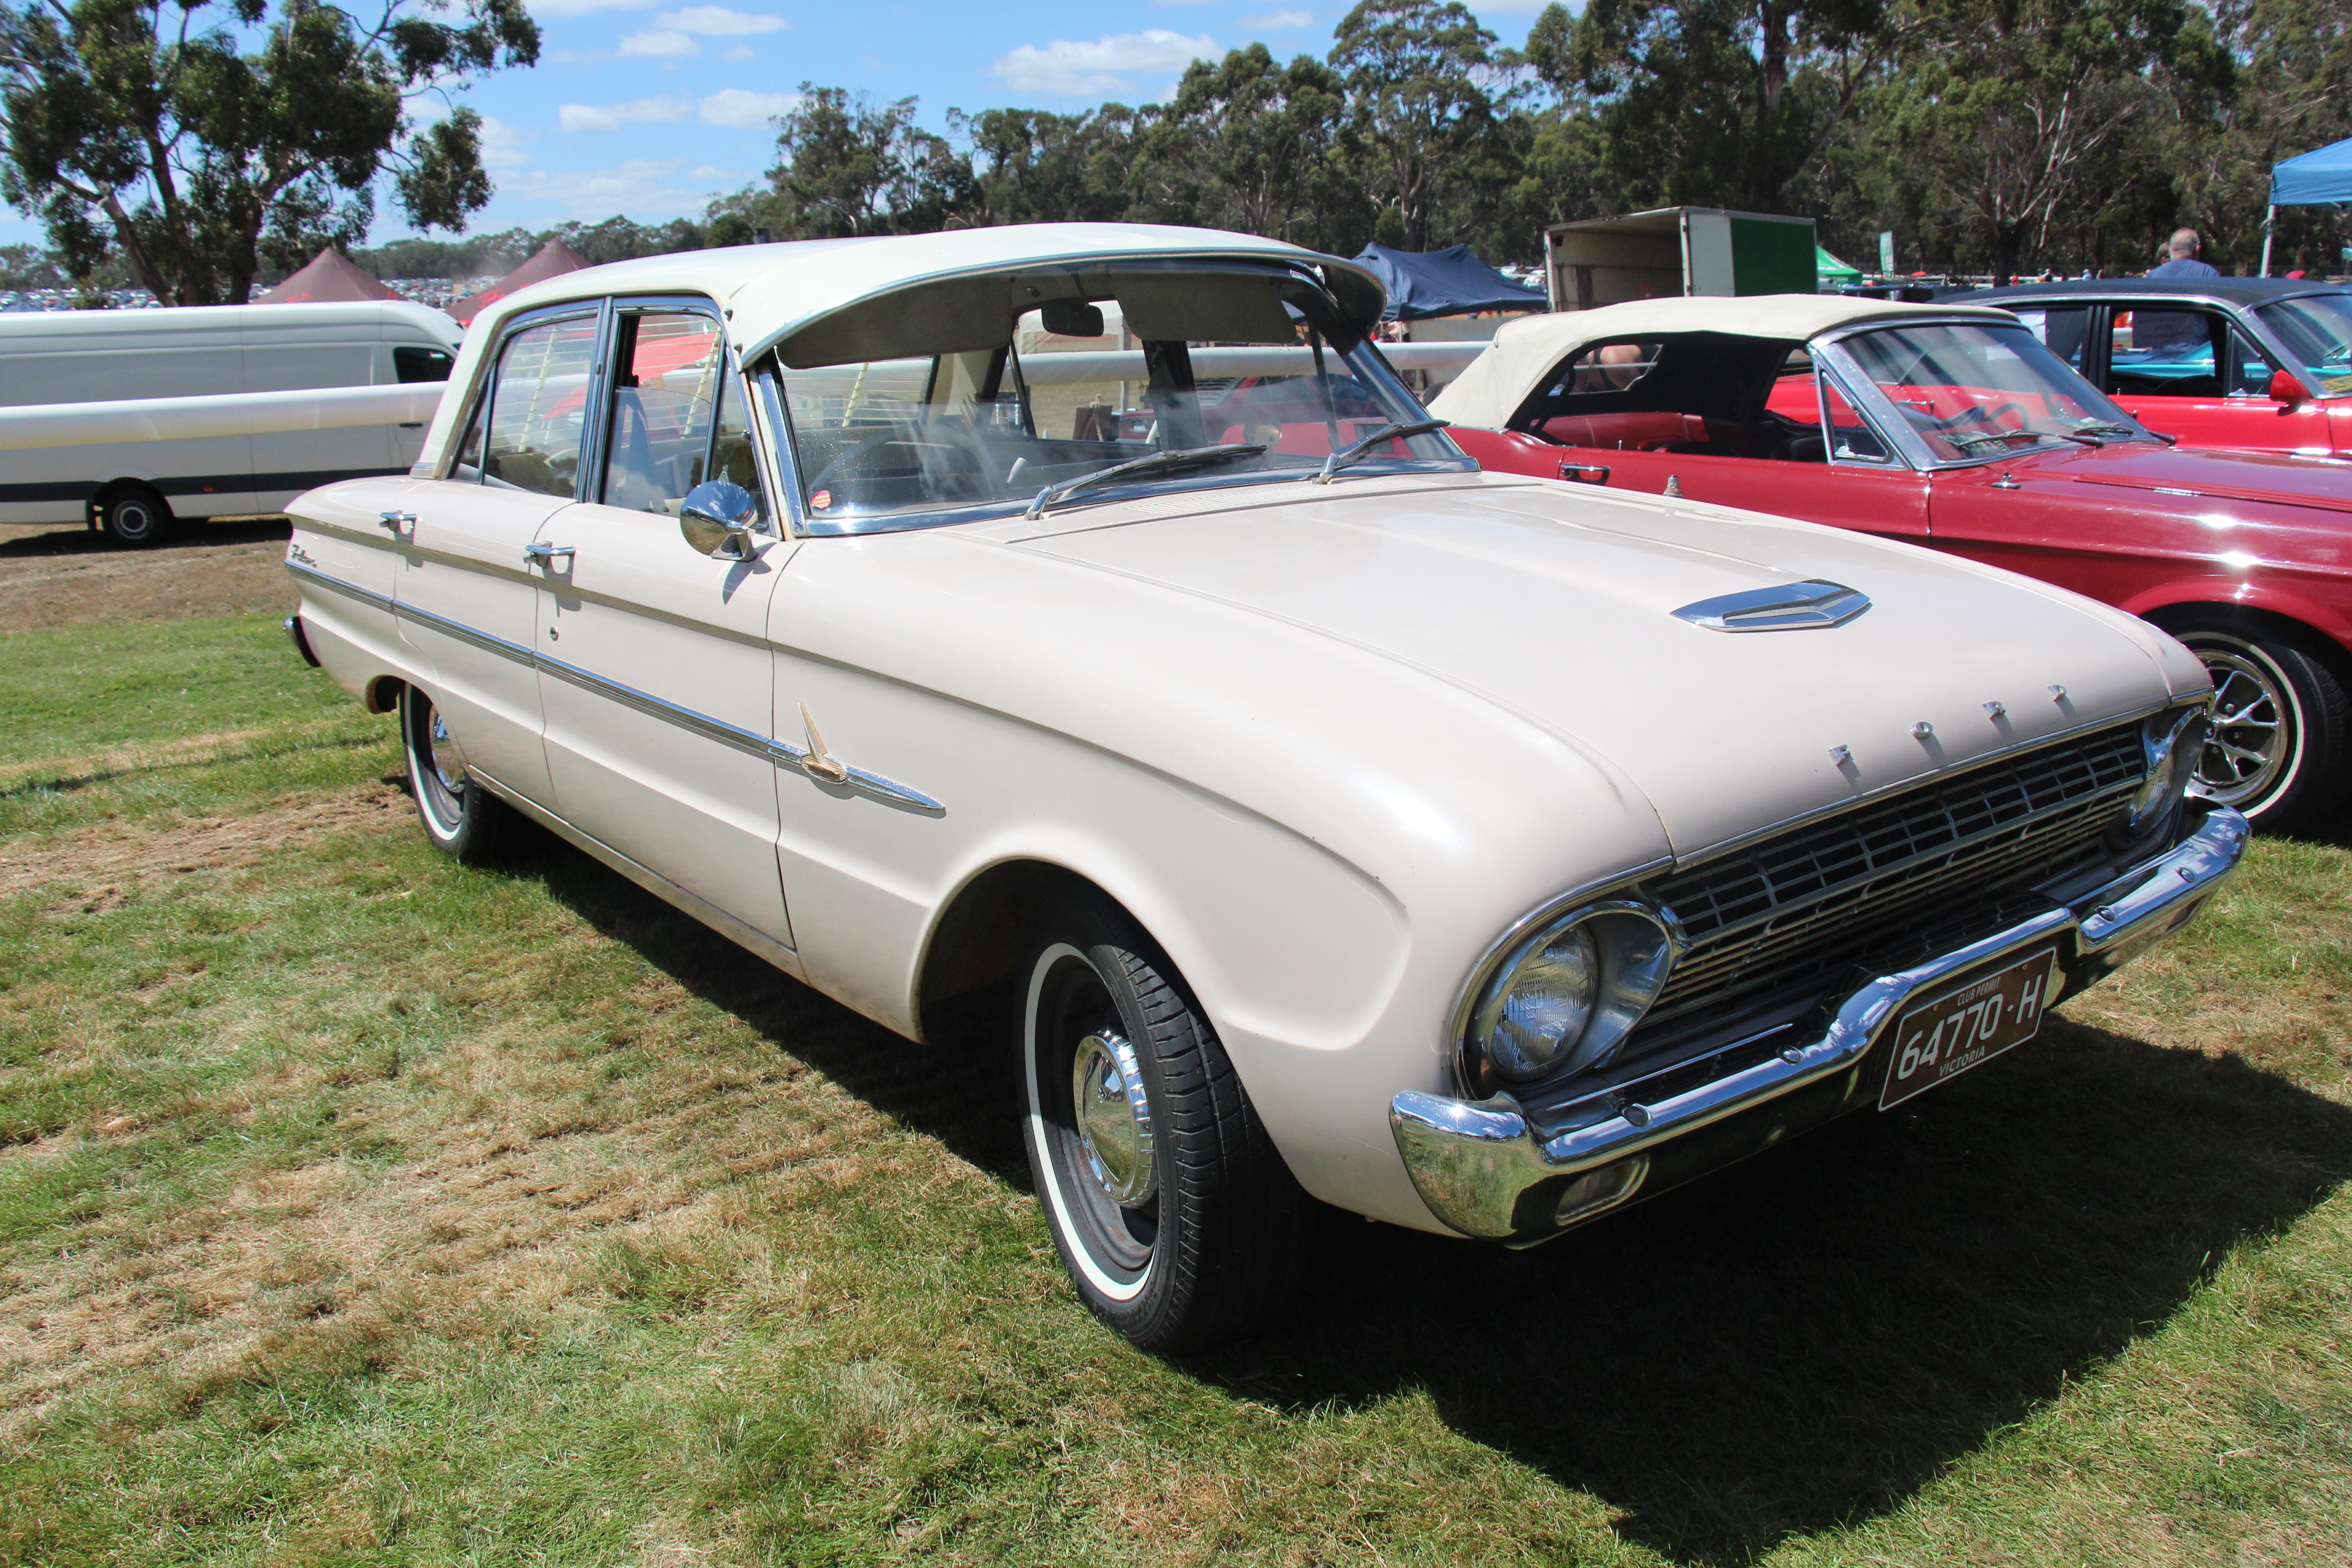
1086,620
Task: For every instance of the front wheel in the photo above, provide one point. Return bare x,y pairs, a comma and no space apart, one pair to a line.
1172,1210
2281,748
459,815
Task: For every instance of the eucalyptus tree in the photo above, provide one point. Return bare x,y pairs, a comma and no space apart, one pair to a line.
1425,89
1247,144
196,139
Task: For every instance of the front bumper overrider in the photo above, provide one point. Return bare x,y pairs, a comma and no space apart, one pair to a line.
1484,1171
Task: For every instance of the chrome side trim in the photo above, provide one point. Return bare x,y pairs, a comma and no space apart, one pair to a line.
319,579
1471,1161
652,882
779,751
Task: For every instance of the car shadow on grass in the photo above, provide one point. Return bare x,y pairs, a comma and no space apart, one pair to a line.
1798,1343
73,538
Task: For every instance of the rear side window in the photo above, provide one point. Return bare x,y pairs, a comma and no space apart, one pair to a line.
410,363
539,406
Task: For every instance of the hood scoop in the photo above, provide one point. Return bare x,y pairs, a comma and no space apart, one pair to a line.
1786,607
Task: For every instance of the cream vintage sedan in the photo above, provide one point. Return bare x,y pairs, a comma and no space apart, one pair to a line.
1087,617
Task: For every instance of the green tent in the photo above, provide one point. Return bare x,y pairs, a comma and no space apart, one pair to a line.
1829,272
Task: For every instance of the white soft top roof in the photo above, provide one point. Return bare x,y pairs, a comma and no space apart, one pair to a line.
1526,351
770,292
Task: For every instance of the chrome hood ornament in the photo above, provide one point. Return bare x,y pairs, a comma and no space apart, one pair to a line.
1787,608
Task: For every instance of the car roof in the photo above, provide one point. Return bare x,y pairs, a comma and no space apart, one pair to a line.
1524,350
2239,290
227,318
771,291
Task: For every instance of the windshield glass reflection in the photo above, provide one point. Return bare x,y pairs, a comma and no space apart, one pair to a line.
1079,385
1972,392
2317,331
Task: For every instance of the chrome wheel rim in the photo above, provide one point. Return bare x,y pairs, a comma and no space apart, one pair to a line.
1114,1117
438,765
2252,737
1090,1122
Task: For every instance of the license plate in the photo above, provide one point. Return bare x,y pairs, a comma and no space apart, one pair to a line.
1967,1026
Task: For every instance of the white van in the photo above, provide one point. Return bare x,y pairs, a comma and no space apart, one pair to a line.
134,490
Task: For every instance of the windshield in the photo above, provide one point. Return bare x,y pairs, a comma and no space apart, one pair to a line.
1973,392
1123,365
2318,333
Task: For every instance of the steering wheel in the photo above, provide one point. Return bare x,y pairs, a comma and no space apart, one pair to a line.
940,437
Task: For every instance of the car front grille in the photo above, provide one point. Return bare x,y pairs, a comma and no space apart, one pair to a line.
1890,883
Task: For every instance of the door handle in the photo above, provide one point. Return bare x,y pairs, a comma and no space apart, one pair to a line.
1585,473
547,554
393,519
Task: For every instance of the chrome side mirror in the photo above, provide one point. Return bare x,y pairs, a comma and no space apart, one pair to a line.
717,517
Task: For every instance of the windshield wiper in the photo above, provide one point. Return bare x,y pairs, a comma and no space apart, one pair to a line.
1151,462
1340,459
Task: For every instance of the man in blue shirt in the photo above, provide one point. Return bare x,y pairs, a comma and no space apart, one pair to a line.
2184,263
2171,335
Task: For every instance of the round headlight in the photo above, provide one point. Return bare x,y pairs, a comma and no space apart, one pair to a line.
1547,1005
1568,995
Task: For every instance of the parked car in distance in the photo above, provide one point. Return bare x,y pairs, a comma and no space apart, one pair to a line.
1953,426
1332,820
2255,362
134,490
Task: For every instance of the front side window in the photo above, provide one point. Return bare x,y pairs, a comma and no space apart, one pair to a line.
1972,392
2316,331
538,407
664,398
997,388
412,363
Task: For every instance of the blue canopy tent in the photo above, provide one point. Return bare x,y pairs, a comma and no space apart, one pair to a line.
2314,179
1449,283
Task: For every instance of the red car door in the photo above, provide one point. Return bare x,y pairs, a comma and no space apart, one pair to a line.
2186,370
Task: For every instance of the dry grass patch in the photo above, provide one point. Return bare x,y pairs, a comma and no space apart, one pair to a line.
56,577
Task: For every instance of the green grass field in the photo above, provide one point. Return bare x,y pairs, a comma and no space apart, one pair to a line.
356,1207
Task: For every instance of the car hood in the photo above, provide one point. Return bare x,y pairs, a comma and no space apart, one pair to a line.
1558,606
2285,478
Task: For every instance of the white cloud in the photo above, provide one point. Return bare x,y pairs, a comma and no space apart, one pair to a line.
719,22
740,107
613,116
502,144
661,45
1280,21
743,52
544,8
1070,68
642,187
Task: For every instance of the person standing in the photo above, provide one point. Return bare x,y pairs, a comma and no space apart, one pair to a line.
2185,253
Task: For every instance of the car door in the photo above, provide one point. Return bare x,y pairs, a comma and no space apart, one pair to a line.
2188,369
1839,472
282,355
655,672
467,597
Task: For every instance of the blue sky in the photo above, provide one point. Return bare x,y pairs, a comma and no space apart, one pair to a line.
650,108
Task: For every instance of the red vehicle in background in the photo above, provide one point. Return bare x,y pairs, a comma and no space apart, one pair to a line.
1955,427
2256,363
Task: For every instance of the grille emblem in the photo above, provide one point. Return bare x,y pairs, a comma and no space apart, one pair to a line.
1786,607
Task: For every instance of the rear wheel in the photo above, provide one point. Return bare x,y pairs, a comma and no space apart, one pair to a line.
2280,749
137,517
1174,1215
459,814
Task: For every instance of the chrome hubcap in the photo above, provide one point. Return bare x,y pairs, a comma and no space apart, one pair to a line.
2249,744
1114,1117
449,757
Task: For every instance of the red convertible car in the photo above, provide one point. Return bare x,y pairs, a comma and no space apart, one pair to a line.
1955,427
2258,362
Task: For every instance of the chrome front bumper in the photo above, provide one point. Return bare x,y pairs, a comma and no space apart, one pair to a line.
1473,1160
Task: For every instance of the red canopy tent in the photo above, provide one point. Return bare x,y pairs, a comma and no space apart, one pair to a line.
554,259
330,275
